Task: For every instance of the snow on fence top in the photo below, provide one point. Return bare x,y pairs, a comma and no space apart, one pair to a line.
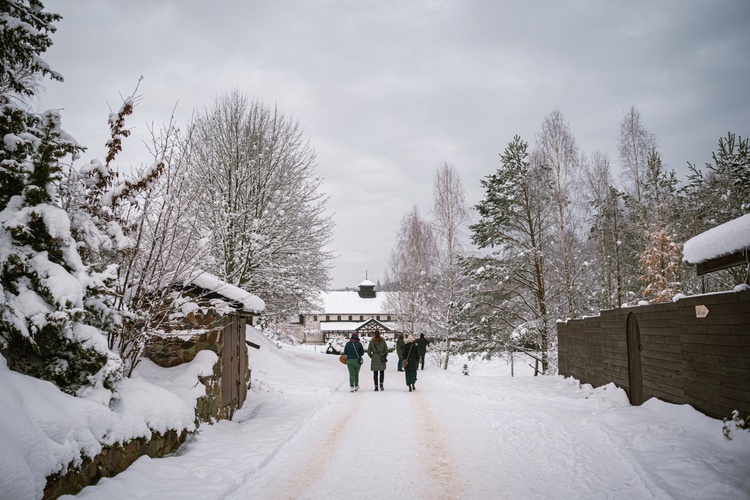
721,240
208,281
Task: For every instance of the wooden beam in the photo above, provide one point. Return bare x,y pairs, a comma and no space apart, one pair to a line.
724,262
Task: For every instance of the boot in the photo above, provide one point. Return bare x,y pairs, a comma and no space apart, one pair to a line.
376,388
409,388
381,387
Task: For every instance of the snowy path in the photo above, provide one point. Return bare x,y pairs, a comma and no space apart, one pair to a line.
303,435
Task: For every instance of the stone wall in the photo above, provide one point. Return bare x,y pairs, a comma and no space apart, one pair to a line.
167,352
173,351
110,462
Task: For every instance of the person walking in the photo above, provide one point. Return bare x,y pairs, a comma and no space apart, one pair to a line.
399,351
378,352
354,353
422,344
410,356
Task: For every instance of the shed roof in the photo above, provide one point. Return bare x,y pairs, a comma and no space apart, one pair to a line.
723,246
211,283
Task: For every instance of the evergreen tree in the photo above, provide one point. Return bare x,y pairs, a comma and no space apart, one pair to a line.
50,298
514,223
24,35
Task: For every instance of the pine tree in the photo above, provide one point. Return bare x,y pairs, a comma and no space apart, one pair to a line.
50,299
514,222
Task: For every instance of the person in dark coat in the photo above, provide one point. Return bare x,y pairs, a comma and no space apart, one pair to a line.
378,352
410,356
354,353
399,351
422,344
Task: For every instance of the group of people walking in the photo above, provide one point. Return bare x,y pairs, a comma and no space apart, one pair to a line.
410,353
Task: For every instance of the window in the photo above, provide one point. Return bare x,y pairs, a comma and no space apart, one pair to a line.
328,318
315,318
361,318
389,317
350,318
338,318
377,318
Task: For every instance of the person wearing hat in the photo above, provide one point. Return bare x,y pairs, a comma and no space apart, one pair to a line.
378,352
354,352
410,356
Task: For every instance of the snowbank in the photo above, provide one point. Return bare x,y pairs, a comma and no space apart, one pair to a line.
43,430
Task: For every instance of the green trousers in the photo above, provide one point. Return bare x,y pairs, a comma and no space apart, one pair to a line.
353,365
411,376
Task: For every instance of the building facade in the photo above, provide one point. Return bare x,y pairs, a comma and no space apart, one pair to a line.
344,312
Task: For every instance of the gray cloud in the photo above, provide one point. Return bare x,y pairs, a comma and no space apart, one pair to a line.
388,90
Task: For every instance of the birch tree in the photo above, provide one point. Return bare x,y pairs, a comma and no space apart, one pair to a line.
606,222
634,146
559,153
410,273
450,215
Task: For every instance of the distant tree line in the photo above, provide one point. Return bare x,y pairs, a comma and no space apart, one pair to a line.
559,234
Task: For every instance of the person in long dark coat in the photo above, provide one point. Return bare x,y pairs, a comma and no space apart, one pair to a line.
354,353
378,352
422,344
399,351
411,361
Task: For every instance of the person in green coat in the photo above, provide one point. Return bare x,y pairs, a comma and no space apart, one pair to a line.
354,352
399,351
378,352
411,358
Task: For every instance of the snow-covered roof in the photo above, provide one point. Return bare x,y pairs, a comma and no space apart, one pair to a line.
366,283
207,281
725,239
352,303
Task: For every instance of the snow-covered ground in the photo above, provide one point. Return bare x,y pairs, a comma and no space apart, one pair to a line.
302,434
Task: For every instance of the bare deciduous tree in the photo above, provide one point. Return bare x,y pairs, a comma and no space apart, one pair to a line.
450,215
635,144
558,152
254,174
410,273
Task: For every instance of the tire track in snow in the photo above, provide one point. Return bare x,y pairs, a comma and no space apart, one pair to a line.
443,468
302,481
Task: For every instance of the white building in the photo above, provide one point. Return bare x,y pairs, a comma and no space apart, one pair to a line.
363,311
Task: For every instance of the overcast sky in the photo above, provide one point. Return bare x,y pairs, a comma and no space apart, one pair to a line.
388,90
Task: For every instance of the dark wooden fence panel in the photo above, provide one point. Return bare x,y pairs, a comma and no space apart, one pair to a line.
685,357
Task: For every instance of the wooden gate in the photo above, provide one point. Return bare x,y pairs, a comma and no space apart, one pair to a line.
234,362
635,373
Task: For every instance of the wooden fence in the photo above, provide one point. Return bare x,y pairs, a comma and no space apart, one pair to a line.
694,351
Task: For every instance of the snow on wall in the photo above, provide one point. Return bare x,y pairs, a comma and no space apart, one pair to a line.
721,240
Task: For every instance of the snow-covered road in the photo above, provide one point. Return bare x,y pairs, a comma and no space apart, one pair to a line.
302,434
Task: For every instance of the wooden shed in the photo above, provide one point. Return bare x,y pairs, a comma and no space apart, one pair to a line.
216,317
